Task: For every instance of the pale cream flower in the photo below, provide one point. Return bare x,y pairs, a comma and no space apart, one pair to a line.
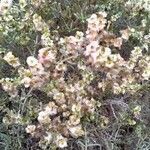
128,80
92,19
48,137
51,108
22,3
102,22
93,23
59,98
26,81
5,5
46,56
92,47
76,108
91,35
66,114
107,52
24,72
38,70
131,122
125,33
137,52
73,44
32,61
11,59
117,88
46,41
109,63
117,42
43,117
90,104
93,58
131,64
137,111
79,34
30,128
104,122
37,3
74,120
64,107
103,14
9,86
76,131
12,118
61,141
61,67
146,74
116,58
102,85
37,81
97,22
38,22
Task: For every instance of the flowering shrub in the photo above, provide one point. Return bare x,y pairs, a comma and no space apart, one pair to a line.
70,102
75,72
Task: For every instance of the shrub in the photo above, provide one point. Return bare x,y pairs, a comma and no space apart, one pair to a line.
69,80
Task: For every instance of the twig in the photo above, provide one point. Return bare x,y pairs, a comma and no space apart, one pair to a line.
71,57
25,99
113,111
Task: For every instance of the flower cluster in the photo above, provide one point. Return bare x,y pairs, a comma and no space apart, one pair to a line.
138,5
66,70
10,86
39,23
11,60
63,114
99,48
73,44
36,75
